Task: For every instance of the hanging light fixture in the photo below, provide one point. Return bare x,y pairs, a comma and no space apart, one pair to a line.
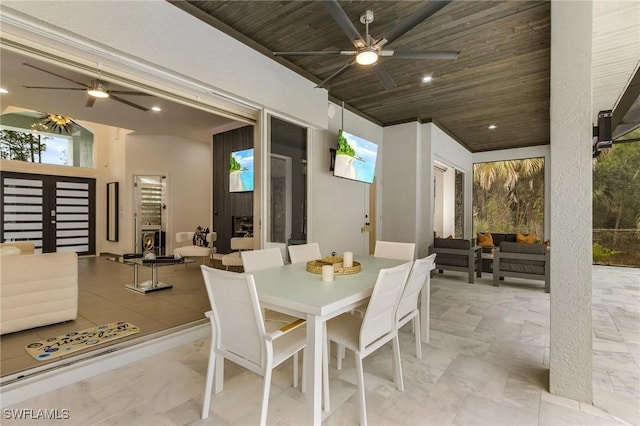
98,90
58,123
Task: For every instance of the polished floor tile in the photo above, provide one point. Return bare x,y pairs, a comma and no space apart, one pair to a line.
486,364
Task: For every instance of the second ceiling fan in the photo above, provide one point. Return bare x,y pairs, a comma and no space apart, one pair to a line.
368,50
95,90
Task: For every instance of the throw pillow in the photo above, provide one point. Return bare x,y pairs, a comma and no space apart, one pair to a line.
200,237
526,238
485,239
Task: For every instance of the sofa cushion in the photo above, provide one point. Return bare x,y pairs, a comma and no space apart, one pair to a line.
9,251
485,239
523,248
455,243
526,238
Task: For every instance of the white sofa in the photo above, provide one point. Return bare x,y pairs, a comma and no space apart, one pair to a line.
37,290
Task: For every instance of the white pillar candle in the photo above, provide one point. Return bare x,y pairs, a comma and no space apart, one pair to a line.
327,273
347,259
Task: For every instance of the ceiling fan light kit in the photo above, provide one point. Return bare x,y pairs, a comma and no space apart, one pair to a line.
98,91
369,50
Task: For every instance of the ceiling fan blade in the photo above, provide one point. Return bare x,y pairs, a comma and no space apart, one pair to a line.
127,92
335,74
54,88
343,21
90,101
427,54
317,53
124,101
383,76
57,75
411,21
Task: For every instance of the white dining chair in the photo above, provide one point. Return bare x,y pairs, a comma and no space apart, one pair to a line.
304,252
408,305
365,335
393,250
254,260
238,333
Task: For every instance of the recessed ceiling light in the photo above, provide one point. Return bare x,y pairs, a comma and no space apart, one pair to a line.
3,90
492,126
156,108
427,79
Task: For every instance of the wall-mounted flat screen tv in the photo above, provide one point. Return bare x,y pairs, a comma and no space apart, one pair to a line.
355,158
241,171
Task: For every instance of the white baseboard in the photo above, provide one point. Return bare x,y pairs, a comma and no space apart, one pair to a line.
41,380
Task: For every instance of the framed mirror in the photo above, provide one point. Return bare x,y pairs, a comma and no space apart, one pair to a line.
112,211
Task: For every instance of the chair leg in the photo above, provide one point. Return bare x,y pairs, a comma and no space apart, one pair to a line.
360,376
397,364
219,374
265,397
339,356
208,385
417,333
303,386
295,370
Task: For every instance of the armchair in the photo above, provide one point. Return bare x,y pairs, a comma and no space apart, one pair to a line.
457,255
186,248
520,260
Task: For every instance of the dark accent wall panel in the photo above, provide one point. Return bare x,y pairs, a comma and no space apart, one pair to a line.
226,204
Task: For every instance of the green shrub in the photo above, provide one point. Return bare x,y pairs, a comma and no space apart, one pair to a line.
602,254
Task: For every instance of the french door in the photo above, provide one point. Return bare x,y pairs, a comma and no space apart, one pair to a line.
56,213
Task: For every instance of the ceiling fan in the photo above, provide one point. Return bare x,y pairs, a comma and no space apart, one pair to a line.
96,89
368,49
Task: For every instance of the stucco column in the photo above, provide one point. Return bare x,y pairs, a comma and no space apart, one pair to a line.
571,187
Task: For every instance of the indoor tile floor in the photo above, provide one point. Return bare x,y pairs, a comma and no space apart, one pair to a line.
486,364
103,298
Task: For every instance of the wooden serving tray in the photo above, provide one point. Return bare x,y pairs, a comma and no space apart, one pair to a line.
315,266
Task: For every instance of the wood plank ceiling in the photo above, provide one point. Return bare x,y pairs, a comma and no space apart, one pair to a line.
500,77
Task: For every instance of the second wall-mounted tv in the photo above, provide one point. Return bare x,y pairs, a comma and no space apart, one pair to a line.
355,158
241,171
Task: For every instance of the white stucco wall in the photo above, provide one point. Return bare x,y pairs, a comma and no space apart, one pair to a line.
570,319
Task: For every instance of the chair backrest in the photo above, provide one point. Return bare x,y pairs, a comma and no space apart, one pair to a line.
242,243
304,252
184,237
239,327
254,260
409,299
281,246
392,250
379,318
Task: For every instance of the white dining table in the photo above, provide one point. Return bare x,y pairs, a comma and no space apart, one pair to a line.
292,290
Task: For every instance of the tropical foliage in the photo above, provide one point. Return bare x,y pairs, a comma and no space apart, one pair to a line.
343,146
616,203
21,146
508,196
234,165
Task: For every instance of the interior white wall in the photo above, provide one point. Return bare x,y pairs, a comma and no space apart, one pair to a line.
340,205
571,178
201,53
521,153
188,167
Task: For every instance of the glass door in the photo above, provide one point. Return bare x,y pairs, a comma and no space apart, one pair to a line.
149,214
287,204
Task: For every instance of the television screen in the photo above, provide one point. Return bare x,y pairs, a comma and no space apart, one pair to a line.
241,171
355,158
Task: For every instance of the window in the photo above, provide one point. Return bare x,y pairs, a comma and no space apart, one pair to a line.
508,196
25,137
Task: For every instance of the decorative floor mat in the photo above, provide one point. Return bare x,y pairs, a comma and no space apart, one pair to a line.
79,340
